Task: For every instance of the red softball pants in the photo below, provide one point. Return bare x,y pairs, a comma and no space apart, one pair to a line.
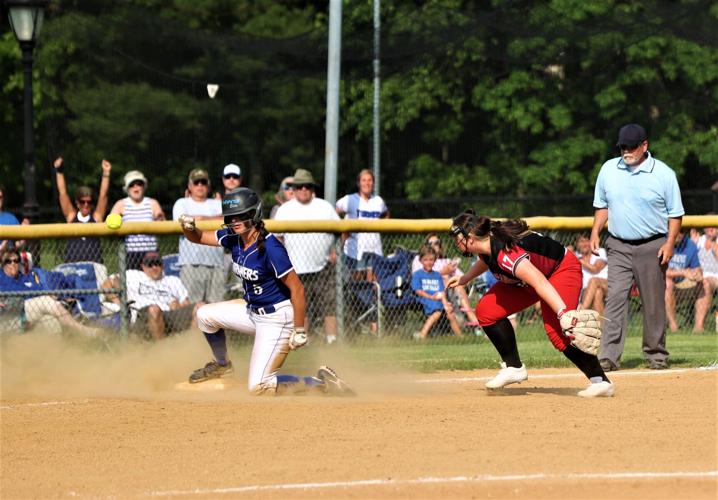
503,299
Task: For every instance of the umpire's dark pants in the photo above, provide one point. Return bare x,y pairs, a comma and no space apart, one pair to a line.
625,262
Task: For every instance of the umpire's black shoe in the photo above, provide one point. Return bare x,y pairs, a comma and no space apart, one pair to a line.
657,365
333,385
609,366
211,370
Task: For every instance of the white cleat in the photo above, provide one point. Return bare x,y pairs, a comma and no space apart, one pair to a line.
601,389
508,375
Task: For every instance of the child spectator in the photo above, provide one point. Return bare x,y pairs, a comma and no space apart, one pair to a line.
428,285
595,274
708,257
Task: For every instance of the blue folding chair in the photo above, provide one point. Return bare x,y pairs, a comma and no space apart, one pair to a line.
170,265
390,296
90,276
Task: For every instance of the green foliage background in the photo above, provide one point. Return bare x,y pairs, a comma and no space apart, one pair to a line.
501,97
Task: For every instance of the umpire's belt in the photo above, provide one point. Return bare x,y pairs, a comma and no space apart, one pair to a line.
269,309
640,242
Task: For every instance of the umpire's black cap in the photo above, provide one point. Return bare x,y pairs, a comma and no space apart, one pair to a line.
631,135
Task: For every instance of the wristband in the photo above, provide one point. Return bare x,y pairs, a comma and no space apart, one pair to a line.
105,175
60,169
560,312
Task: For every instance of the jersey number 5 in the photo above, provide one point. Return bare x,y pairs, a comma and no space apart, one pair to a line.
256,289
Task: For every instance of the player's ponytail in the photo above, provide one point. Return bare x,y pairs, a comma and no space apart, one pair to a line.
508,232
263,233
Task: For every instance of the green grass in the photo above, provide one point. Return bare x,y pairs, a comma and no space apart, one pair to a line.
449,353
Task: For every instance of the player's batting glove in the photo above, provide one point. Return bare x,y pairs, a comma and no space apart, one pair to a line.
297,338
583,328
188,223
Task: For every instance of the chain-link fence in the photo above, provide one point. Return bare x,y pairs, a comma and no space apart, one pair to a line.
95,287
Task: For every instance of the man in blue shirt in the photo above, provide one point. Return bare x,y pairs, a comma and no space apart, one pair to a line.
639,197
683,277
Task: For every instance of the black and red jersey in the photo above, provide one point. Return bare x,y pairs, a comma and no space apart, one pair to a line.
544,253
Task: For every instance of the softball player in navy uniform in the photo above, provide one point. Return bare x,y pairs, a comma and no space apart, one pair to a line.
529,267
275,306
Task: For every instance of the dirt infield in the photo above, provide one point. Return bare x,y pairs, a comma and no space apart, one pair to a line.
91,425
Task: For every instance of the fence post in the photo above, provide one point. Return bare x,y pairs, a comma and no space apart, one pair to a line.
122,272
339,286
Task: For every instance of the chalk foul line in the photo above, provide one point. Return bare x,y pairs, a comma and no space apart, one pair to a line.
438,480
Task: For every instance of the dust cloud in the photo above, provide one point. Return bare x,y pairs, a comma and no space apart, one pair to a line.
49,365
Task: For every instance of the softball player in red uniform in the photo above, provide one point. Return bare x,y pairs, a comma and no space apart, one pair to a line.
530,267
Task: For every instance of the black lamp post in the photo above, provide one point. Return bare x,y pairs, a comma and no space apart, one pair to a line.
26,20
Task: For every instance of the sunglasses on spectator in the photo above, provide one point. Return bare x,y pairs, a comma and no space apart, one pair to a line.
85,202
136,183
231,176
434,242
153,263
203,182
303,186
286,187
628,147
11,261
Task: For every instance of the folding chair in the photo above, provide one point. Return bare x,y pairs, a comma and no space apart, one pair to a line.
390,296
170,265
92,306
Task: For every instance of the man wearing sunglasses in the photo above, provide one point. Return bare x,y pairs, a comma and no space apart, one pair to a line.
201,266
83,211
639,197
160,304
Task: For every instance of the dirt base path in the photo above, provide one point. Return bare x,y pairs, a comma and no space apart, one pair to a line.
407,436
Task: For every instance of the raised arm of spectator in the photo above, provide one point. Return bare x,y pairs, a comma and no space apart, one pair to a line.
101,207
157,213
68,210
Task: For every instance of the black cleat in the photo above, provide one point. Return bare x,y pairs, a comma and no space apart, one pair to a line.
333,385
211,370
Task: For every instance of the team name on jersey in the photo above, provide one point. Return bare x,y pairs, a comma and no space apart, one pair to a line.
245,273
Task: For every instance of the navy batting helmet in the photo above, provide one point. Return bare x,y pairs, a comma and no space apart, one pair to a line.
244,202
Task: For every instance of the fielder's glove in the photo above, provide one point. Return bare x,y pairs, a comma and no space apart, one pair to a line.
583,328
188,223
297,338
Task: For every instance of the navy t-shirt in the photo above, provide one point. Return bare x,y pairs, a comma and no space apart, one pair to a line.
261,272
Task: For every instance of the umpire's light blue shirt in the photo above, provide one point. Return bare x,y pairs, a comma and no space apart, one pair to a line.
639,202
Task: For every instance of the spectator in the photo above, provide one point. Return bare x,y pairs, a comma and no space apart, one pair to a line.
83,248
44,310
362,205
201,267
160,304
312,254
639,197
708,258
8,219
428,285
448,268
595,274
138,208
683,277
231,178
283,195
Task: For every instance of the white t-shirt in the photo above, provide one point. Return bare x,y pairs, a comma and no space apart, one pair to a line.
709,263
145,291
194,253
603,273
307,251
356,207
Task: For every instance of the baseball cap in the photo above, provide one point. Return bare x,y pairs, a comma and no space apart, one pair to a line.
232,169
132,176
631,135
197,174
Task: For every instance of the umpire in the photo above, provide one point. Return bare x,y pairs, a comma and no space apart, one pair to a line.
639,197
